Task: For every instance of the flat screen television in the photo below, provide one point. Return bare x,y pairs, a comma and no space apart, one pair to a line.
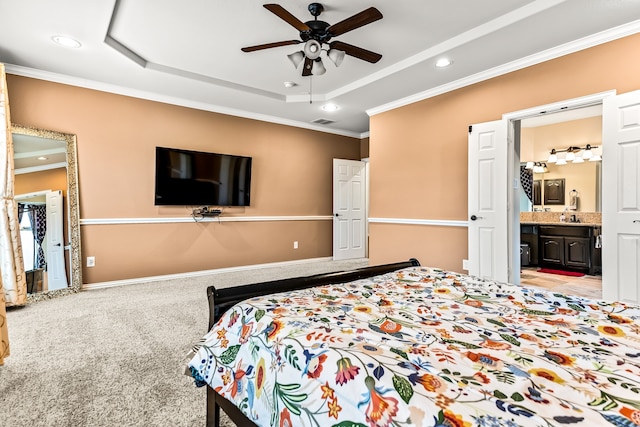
196,178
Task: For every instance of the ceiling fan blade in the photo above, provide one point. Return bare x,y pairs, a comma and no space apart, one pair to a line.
283,14
356,21
269,45
357,52
306,69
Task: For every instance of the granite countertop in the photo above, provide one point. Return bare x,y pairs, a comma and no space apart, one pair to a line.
585,224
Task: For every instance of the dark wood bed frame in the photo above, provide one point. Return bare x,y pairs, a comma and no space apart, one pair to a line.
220,300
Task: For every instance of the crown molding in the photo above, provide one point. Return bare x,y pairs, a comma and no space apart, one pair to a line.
549,54
40,168
19,70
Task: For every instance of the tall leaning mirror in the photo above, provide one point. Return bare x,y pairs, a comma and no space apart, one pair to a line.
46,190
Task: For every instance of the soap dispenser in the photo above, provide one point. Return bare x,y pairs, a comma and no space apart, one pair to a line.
562,217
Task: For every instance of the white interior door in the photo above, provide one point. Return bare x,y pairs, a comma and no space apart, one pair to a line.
56,273
349,209
621,200
487,201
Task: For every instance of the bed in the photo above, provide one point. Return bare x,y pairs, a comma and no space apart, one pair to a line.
406,345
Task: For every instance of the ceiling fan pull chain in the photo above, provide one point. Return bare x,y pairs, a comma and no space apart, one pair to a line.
310,89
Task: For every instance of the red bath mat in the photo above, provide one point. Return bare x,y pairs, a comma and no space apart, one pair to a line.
561,272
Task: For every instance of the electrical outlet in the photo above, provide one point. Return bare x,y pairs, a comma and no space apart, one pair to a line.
465,264
91,261
295,245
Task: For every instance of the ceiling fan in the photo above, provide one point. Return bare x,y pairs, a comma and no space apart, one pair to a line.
315,33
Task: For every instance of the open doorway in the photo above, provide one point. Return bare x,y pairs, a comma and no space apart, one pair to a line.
560,200
490,254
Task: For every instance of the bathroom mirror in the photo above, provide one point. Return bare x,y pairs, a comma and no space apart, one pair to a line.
581,179
38,155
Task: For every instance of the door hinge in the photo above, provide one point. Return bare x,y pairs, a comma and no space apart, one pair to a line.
470,128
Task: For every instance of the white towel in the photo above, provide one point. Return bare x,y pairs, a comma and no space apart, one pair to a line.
573,200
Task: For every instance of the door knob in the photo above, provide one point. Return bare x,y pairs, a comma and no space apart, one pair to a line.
337,214
473,217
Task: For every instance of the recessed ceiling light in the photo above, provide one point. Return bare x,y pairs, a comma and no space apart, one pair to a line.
42,158
66,41
330,107
290,84
443,62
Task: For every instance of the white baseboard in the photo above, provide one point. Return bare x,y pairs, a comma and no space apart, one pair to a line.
114,283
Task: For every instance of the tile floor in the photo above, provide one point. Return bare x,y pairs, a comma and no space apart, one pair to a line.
586,286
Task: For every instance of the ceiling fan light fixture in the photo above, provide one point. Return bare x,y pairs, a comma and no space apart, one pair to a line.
312,49
318,68
336,56
296,58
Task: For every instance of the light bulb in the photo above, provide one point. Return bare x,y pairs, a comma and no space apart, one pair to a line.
296,58
336,56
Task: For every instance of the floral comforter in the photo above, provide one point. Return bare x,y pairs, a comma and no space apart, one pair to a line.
425,347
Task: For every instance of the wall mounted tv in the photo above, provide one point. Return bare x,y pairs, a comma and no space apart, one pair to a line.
195,178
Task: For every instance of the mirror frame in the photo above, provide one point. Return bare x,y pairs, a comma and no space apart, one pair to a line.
73,209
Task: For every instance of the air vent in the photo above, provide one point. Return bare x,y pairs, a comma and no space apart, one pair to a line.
322,121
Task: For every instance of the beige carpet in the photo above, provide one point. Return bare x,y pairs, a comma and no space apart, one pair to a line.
116,356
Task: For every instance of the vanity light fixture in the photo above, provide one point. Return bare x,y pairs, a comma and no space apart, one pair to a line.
539,167
573,155
570,156
66,41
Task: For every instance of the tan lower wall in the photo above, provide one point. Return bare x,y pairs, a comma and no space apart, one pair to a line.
142,250
434,246
418,153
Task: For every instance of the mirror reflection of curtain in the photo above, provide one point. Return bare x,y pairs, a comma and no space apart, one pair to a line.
526,180
14,285
38,220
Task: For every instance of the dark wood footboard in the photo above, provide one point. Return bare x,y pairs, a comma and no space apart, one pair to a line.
220,300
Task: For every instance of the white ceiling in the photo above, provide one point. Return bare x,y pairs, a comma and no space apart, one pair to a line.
34,153
188,52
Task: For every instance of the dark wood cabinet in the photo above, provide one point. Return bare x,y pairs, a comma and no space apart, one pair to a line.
537,191
570,248
552,250
554,191
577,252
